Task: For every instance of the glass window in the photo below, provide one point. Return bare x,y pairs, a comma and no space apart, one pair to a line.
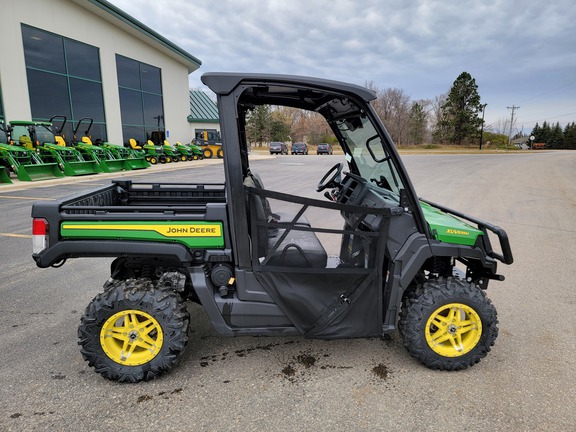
48,95
43,50
141,102
151,81
131,107
153,111
83,60
87,99
128,72
1,106
63,79
136,132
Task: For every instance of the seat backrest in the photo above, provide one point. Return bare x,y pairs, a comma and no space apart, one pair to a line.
134,145
25,141
270,215
60,141
86,140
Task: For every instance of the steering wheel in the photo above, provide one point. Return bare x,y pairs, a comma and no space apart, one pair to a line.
331,178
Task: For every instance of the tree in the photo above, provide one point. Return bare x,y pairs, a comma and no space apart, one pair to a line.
570,136
460,113
417,123
438,118
279,126
258,125
393,107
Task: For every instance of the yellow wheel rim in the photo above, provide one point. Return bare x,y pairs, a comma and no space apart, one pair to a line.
131,337
453,330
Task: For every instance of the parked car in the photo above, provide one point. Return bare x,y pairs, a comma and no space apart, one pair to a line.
278,148
324,148
299,148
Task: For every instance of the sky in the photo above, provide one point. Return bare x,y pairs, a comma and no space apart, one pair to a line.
520,54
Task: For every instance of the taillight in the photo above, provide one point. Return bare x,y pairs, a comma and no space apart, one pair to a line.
40,231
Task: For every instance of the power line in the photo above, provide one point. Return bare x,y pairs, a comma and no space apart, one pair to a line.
547,118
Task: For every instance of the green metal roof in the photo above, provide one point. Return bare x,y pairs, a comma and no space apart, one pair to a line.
111,10
202,108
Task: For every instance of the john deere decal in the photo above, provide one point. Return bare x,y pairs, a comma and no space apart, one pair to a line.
193,234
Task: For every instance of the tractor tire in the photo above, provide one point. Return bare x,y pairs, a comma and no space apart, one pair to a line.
448,324
163,159
134,331
152,160
220,153
207,153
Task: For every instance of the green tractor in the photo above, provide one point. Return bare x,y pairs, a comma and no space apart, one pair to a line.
52,148
134,159
152,153
25,163
176,153
108,160
180,151
195,150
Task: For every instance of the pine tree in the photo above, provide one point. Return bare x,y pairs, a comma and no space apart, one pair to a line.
416,124
570,136
556,137
461,121
258,125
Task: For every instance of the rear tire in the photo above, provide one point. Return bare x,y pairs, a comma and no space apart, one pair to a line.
134,331
207,153
220,153
448,324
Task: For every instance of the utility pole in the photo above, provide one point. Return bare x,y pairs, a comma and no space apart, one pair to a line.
513,108
482,127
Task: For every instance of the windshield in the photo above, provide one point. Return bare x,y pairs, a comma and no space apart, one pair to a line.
44,135
369,155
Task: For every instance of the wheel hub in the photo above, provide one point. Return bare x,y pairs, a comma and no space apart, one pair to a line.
453,330
131,337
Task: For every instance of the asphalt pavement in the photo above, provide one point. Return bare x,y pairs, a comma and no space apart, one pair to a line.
526,383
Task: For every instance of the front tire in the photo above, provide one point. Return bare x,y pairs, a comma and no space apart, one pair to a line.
134,331
207,153
448,324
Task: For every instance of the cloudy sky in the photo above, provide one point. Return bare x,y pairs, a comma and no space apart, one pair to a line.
520,53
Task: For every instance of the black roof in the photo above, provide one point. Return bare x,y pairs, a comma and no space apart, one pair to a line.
291,90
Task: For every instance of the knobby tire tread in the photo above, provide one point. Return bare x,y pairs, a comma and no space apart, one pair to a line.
429,296
160,301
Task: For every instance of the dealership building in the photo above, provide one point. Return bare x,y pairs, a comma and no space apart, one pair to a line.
88,58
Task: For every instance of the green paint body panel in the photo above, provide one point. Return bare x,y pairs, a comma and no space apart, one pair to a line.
193,234
449,229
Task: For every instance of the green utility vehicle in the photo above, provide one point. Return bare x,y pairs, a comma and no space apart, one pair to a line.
366,258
